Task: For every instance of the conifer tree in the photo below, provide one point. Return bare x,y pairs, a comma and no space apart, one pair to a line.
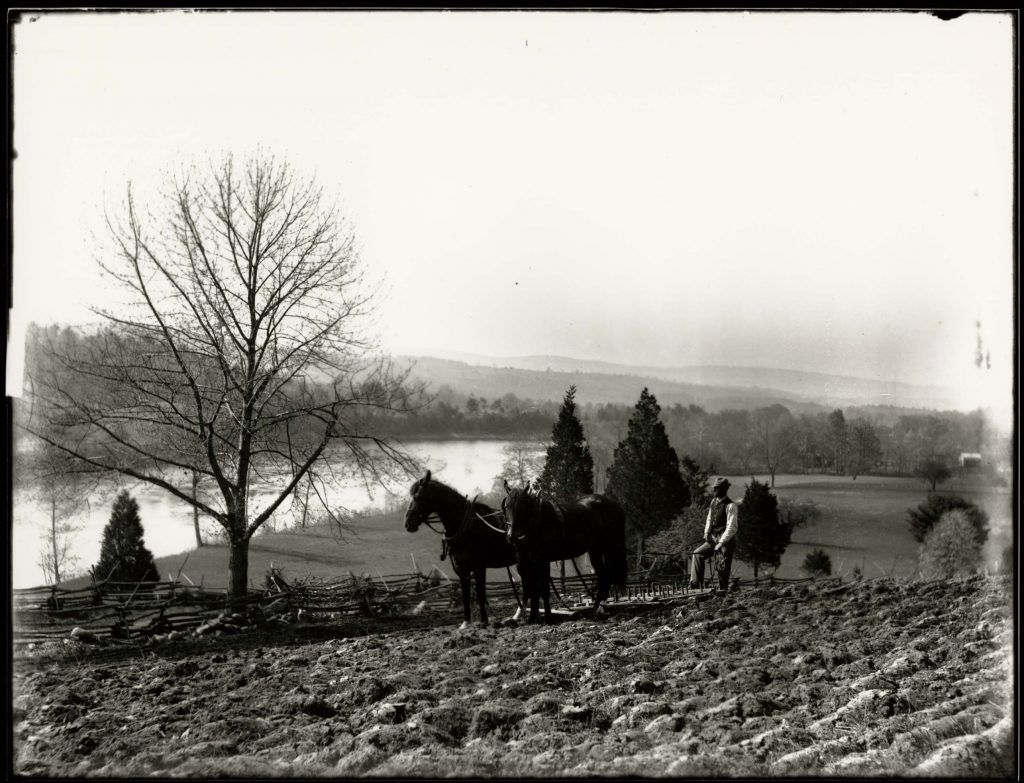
569,468
951,547
763,535
644,476
696,479
923,518
124,556
817,563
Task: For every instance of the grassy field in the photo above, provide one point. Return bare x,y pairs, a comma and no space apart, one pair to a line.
378,544
863,524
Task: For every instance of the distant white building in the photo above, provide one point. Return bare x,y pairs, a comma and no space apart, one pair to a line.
969,460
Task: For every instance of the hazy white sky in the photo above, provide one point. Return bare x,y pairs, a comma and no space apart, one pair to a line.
828,192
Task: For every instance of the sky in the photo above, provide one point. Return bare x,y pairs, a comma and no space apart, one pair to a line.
815,191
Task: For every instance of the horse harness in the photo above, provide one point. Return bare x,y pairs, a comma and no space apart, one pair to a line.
467,521
559,514
464,526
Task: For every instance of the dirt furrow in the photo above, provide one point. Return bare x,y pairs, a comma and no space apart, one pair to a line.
872,678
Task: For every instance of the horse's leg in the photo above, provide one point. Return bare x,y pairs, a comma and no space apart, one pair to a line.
481,593
604,579
466,607
524,580
547,595
535,592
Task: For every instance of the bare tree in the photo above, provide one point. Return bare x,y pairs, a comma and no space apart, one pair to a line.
239,353
523,462
55,481
774,436
933,471
864,449
195,511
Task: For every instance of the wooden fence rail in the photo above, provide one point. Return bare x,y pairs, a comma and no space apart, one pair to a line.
126,610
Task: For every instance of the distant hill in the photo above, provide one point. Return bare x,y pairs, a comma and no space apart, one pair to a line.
713,388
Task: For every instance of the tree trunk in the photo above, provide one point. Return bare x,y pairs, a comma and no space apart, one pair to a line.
53,541
195,510
305,503
239,567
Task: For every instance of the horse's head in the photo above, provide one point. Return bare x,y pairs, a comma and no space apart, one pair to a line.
420,506
521,508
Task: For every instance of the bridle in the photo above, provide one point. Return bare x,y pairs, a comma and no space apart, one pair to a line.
464,525
532,512
537,499
467,521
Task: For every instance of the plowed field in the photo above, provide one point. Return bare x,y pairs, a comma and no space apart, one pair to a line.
871,678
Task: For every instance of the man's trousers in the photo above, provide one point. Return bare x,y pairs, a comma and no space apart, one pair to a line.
705,551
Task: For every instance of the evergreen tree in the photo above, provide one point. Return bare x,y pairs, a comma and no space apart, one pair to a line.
696,479
926,516
817,563
644,475
950,548
763,535
569,468
123,554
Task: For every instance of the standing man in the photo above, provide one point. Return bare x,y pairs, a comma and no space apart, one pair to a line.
719,535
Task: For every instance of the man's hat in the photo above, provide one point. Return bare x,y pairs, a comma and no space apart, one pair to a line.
721,481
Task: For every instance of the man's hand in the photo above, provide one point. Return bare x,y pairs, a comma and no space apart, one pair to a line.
718,547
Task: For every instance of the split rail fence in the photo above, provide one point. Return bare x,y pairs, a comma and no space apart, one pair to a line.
137,611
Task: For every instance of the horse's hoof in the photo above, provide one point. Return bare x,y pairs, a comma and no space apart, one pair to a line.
518,615
464,626
600,612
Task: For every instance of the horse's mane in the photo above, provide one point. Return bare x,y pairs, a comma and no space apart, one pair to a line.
517,495
448,493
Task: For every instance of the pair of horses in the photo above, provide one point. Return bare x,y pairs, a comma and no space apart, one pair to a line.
529,531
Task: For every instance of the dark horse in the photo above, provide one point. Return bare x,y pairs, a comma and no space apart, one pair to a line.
545,531
474,534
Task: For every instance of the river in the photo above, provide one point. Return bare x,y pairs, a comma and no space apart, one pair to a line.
468,465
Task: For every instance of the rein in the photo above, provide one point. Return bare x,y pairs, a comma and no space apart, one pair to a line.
467,521
492,527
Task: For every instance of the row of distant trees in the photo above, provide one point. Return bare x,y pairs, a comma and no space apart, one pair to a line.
767,440
771,439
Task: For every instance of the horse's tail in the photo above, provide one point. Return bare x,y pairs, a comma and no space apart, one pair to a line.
616,555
